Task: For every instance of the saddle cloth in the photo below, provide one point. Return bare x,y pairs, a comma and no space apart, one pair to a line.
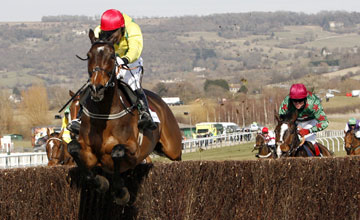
154,116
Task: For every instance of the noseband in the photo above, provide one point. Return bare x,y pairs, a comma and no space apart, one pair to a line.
111,81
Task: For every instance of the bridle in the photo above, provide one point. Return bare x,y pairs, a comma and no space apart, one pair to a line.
352,148
61,147
295,141
109,83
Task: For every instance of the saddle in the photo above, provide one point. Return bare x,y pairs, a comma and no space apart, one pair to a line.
125,88
312,149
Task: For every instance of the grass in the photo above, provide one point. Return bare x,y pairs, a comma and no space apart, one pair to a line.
238,152
11,79
332,42
341,101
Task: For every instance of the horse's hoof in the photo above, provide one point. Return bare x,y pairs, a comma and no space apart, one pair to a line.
123,197
102,184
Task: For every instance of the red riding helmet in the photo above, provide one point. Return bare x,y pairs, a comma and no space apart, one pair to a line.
112,19
298,91
265,130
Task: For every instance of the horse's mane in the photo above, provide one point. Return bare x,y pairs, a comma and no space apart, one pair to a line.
286,117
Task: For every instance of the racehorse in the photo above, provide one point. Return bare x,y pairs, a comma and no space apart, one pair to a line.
56,150
288,141
109,138
56,147
352,144
264,149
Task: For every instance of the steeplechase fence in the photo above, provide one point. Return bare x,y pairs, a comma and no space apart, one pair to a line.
289,188
332,139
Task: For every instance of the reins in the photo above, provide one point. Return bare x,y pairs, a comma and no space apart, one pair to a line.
352,148
110,83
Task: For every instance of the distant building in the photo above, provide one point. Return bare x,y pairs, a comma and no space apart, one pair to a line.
325,52
187,130
79,32
15,98
172,100
199,69
234,88
335,25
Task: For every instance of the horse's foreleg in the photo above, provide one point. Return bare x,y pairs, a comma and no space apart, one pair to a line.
119,191
75,150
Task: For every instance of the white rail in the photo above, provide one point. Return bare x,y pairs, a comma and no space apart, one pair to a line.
333,140
23,159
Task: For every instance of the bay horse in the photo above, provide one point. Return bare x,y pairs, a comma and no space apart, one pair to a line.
262,147
288,141
352,144
110,142
56,147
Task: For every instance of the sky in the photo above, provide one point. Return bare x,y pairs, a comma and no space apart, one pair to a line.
33,10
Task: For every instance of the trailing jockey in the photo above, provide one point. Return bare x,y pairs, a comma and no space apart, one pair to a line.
353,124
269,139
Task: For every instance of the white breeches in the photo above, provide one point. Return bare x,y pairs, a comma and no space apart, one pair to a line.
132,77
307,125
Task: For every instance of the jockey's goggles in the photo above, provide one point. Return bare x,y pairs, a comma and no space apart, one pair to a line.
298,100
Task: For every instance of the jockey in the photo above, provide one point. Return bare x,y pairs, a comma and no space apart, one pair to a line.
65,121
269,138
311,118
353,124
128,49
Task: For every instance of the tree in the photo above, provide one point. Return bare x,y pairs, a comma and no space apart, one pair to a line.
218,82
16,91
6,113
161,89
35,105
243,89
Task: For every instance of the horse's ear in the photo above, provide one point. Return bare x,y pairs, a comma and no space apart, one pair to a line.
114,38
48,132
294,116
61,133
277,117
92,36
71,93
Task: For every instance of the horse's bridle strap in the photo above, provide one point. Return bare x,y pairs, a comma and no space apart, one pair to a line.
53,138
107,116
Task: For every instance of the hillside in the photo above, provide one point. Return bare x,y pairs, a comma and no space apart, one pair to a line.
260,53
279,45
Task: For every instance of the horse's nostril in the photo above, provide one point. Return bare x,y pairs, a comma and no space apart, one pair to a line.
99,87
93,88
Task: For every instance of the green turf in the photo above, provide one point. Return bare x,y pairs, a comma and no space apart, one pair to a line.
238,152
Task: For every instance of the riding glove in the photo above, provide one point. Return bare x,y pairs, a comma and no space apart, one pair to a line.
304,132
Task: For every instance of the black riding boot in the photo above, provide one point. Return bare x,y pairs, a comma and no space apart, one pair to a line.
74,125
145,120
